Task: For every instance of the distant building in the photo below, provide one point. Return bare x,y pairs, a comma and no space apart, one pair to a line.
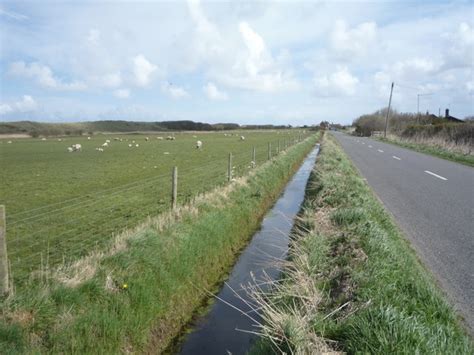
451,118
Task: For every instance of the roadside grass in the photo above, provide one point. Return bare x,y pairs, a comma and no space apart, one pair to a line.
137,294
352,283
439,150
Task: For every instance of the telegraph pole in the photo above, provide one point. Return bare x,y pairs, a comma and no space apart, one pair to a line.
388,111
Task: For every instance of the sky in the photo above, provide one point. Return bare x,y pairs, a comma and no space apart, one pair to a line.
248,62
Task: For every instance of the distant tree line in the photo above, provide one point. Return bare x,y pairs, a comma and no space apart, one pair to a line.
37,129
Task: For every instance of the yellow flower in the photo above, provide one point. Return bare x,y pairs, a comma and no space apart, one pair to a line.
124,286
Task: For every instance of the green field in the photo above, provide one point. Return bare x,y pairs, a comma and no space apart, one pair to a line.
60,205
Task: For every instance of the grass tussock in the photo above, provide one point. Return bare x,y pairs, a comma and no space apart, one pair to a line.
136,295
352,284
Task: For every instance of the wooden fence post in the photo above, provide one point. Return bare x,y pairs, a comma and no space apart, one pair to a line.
254,155
4,279
229,168
269,150
174,189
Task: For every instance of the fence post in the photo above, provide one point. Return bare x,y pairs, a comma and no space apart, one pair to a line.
4,279
174,189
254,154
269,150
229,168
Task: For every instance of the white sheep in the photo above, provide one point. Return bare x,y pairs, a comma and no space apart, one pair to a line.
88,138
147,139
99,149
198,145
170,138
76,147
43,139
107,141
105,144
130,145
159,138
9,142
136,145
133,142
70,150
242,138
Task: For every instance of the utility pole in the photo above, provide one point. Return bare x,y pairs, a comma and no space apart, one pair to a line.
418,101
388,111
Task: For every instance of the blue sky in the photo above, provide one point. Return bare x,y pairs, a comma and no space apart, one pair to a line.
246,62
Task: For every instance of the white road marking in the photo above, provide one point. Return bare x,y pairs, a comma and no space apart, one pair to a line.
395,157
380,150
435,175
370,146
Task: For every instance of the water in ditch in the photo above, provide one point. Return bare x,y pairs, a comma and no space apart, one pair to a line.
224,329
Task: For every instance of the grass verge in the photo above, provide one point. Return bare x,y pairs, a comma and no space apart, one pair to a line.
137,295
466,159
352,283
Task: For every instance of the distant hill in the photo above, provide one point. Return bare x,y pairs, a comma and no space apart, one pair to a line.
36,129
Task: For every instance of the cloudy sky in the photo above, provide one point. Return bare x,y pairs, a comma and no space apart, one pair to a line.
285,62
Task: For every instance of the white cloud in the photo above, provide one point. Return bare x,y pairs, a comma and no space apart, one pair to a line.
93,37
43,75
341,82
353,41
26,104
122,93
175,92
12,15
470,87
143,70
214,93
461,47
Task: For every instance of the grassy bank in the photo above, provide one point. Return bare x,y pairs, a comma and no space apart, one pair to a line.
136,295
352,282
435,150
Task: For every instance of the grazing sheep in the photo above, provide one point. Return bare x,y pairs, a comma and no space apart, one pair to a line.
107,141
88,138
106,144
43,139
9,142
76,147
130,145
99,149
170,138
133,142
116,139
136,145
242,138
194,136
147,139
70,150
159,138
198,145
166,153
60,140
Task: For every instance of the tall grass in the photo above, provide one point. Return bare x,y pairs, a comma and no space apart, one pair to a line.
136,295
352,282
462,152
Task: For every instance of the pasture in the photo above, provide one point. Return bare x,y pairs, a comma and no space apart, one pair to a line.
60,205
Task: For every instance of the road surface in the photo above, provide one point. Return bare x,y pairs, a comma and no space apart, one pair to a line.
432,200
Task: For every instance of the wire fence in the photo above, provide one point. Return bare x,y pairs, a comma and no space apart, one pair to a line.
64,231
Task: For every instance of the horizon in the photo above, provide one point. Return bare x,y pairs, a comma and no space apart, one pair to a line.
259,63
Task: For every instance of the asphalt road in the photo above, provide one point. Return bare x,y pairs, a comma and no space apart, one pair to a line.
432,200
